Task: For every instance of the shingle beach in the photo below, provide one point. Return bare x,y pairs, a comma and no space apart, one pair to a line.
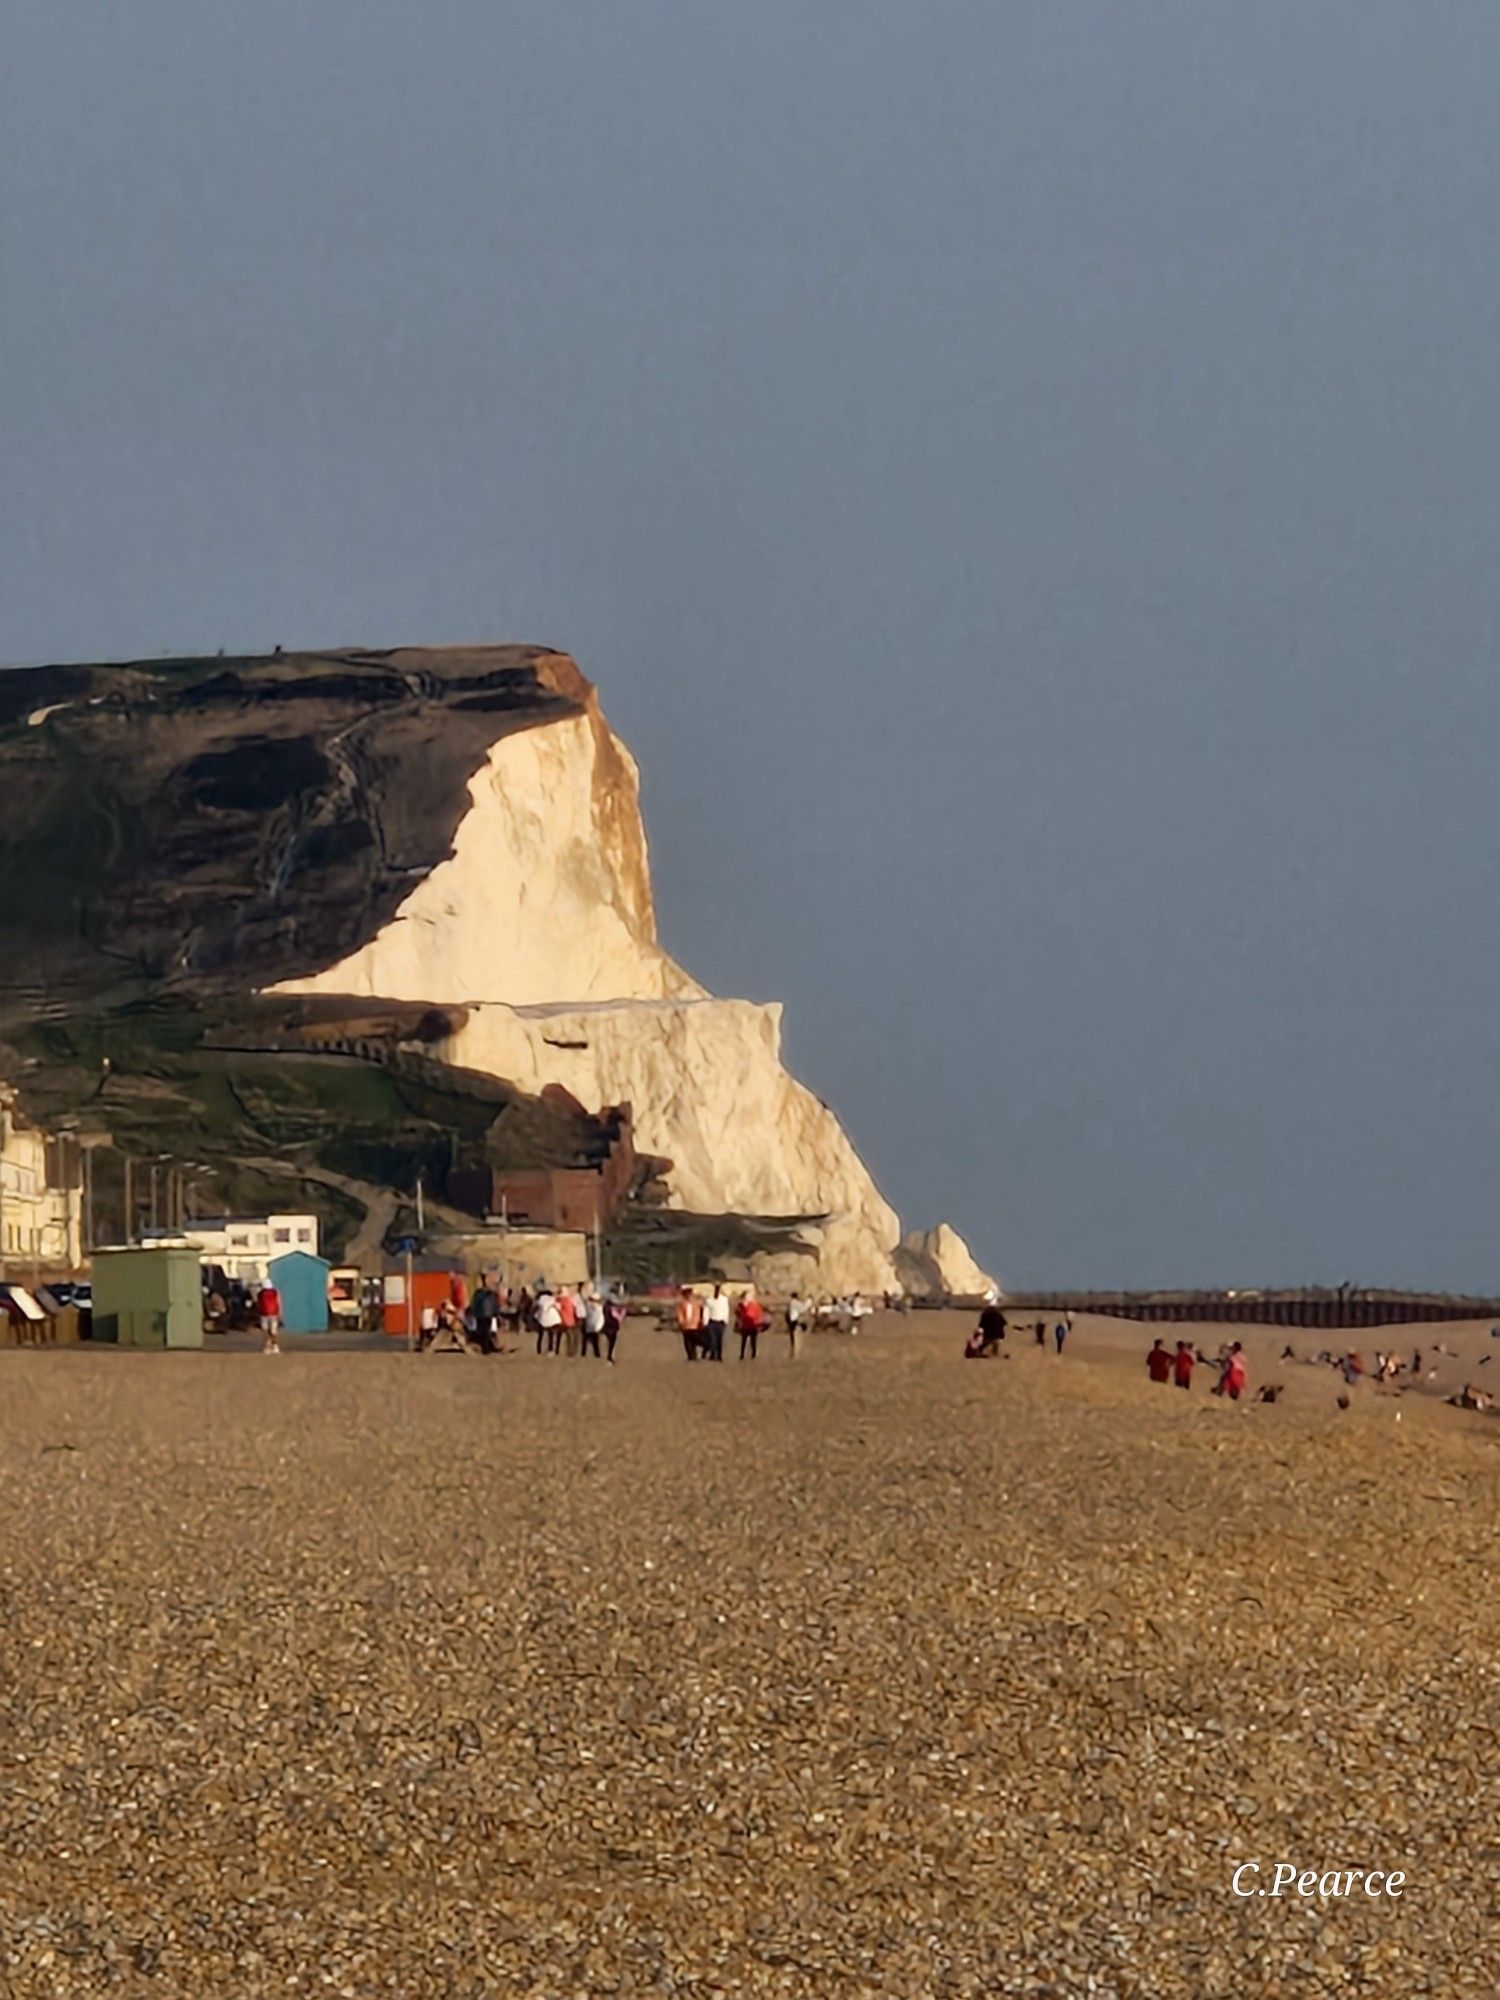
873,1674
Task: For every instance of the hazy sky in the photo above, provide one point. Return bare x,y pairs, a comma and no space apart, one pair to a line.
1025,478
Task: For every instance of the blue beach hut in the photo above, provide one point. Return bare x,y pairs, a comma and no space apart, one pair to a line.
302,1281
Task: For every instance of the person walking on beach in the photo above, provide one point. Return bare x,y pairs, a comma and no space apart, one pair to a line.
1159,1363
486,1317
567,1309
716,1323
1039,1333
1182,1365
1060,1331
987,1341
751,1315
548,1320
690,1321
614,1319
593,1322
797,1309
992,1326
1233,1374
268,1310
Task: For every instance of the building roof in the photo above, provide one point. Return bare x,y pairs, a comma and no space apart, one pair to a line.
299,1256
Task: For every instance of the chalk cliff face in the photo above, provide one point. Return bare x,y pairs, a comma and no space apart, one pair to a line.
546,894
454,827
541,924
709,1092
935,1263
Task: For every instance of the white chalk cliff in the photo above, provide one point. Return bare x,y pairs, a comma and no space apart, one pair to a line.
709,1093
546,895
541,923
936,1263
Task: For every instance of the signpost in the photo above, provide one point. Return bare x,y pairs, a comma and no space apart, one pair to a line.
406,1246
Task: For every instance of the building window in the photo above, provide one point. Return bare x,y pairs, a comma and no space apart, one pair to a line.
281,1235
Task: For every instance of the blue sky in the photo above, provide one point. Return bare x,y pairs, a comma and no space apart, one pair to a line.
1024,478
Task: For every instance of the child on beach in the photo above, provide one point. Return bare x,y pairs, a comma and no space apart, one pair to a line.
980,1346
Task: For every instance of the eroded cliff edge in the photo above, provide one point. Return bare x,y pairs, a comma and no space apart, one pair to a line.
224,823
457,827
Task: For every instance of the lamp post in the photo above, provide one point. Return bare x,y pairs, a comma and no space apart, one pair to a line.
4,1141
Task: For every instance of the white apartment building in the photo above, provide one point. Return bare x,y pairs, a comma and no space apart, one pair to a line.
243,1245
41,1220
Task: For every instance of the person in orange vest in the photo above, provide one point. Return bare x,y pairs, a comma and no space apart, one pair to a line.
690,1321
567,1306
1182,1365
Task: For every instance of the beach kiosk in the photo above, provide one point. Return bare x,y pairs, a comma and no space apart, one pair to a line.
149,1296
302,1280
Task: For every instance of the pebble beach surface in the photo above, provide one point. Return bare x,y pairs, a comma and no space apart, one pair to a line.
877,1673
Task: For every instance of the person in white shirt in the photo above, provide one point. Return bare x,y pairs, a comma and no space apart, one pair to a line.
548,1321
716,1323
593,1323
797,1310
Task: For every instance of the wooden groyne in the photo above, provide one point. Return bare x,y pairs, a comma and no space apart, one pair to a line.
1345,1307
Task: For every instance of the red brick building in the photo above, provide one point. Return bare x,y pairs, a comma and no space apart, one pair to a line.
580,1193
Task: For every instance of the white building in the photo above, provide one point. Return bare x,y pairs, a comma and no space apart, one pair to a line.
41,1218
243,1245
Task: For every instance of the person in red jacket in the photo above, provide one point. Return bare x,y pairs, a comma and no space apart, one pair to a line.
1182,1365
268,1308
1233,1374
1159,1363
751,1316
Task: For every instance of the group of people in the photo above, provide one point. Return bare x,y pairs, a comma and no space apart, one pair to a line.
987,1341
704,1319
581,1320
1164,1364
1389,1367
703,1323
566,1319
575,1322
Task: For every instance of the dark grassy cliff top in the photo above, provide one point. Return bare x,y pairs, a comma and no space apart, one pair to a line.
216,823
